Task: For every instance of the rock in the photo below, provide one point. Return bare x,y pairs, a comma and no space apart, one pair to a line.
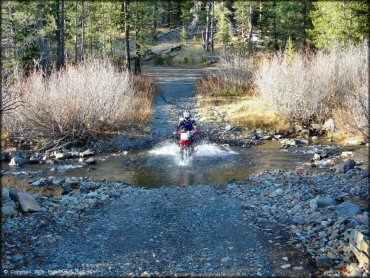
17,161
351,267
316,126
67,188
316,156
36,183
329,125
345,167
17,258
297,128
346,154
59,155
28,202
276,193
4,157
356,273
225,259
5,195
348,208
13,195
324,201
90,160
361,241
323,261
285,266
57,182
259,131
8,210
360,256
14,154
92,194
314,138
303,141
87,153
353,142
288,142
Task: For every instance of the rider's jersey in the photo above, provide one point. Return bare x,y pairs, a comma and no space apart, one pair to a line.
186,125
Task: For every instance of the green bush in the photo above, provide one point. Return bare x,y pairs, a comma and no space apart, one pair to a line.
186,61
169,59
159,60
195,40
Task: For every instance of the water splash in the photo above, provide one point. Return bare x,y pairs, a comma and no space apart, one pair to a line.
202,150
209,150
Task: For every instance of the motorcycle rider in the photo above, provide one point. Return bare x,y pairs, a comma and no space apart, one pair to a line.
186,123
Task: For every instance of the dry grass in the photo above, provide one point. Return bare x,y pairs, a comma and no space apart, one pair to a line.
244,112
70,106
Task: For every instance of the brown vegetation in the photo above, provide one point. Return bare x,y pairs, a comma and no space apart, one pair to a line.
70,106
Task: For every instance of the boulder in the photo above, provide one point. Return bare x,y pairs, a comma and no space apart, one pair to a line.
346,166
348,208
87,153
361,241
28,202
17,161
329,125
90,160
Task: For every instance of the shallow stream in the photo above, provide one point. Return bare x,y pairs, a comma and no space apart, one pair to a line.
210,164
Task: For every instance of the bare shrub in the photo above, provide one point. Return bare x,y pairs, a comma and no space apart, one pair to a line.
234,78
70,105
312,87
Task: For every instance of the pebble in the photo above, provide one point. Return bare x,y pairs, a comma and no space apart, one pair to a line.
286,266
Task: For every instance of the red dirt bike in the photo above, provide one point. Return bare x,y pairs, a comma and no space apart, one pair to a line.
186,143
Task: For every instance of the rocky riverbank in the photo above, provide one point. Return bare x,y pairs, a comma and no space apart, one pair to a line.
326,213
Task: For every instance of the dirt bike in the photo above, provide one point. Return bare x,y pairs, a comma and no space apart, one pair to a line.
186,143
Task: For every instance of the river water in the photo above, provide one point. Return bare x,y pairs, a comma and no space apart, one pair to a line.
210,164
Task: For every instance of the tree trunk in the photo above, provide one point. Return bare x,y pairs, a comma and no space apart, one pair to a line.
206,47
137,70
83,31
76,32
43,41
275,29
154,15
304,12
127,35
59,22
90,28
212,23
250,24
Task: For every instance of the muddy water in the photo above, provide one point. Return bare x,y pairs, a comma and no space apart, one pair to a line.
210,164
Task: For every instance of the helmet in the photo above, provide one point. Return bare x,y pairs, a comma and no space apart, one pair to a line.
186,115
